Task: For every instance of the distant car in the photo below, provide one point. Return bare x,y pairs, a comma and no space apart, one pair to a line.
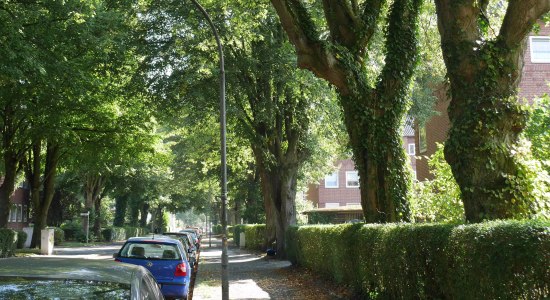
195,235
188,244
165,258
74,278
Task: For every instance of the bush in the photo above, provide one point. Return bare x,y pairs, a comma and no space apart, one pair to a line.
73,230
58,236
111,234
8,242
254,235
134,231
237,229
493,260
217,229
21,239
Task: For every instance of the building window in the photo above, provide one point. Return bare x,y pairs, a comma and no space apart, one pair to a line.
412,150
13,213
332,205
25,213
19,213
331,181
422,143
352,179
357,205
540,49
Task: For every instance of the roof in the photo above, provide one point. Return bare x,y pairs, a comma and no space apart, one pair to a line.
346,209
69,268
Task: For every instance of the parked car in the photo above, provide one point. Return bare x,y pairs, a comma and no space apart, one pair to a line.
188,244
74,278
165,258
194,235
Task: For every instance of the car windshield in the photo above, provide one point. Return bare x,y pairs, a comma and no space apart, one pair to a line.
16,288
150,251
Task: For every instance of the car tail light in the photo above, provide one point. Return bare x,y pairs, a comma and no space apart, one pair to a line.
181,270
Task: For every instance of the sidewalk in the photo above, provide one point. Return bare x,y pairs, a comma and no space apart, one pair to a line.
248,273
254,276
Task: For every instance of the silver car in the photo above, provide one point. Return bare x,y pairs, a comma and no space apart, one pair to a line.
74,278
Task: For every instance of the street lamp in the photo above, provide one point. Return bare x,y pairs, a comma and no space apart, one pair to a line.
225,277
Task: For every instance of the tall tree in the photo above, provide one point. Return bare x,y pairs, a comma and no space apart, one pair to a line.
486,117
373,108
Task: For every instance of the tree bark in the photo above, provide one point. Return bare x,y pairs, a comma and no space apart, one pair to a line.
121,205
93,189
486,118
97,218
144,211
32,172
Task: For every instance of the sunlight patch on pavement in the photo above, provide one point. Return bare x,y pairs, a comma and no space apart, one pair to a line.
238,290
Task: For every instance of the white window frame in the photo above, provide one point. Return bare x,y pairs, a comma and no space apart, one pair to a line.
19,212
533,58
25,213
337,181
347,181
411,149
356,204
332,205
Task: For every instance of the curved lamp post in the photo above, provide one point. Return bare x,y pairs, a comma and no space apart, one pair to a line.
225,277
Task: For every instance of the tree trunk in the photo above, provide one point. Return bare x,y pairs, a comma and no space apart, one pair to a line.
93,190
50,173
32,173
375,138
97,218
134,214
373,113
484,148
144,211
121,205
279,192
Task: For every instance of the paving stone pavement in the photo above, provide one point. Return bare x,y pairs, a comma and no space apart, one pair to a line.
246,271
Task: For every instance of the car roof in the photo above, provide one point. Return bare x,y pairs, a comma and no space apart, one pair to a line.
154,239
69,268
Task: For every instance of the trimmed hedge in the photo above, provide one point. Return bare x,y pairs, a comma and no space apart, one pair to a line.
73,230
254,235
493,260
111,234
58,236
8,242
217,229
134,231
21,239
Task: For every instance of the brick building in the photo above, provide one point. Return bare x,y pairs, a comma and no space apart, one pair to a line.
338,193
534,82
19,210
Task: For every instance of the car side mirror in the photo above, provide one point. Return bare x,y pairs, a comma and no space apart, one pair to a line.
115,255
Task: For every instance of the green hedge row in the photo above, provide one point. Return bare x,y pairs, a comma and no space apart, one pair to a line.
254,235
493,260
21,239
8,242
111,234
135,231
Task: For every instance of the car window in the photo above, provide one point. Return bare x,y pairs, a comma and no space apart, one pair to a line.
33,288
151,251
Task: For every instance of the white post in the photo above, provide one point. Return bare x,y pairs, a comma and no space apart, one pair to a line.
46,241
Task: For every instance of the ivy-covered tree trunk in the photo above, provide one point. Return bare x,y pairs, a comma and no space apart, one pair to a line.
483,147
373,112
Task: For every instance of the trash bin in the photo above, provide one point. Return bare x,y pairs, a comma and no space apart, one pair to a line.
46,241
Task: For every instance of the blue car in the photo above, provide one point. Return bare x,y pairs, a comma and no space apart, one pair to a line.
164,258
